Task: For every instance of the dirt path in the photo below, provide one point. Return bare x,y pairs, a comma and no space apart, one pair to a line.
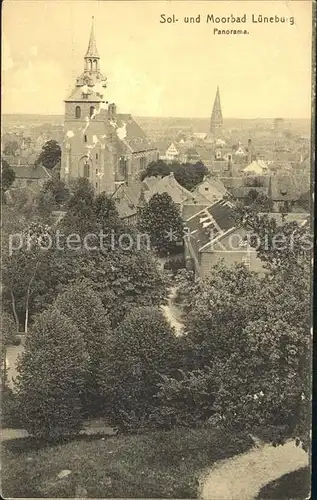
242,477
92,427
172,312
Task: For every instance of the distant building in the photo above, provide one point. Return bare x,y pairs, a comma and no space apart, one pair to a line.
201,136
29,176
279,124
172,153
256,167
129,197
216,120
100,144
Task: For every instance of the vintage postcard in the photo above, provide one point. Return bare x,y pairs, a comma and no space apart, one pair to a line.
157,244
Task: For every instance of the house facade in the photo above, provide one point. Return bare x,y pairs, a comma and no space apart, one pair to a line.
213,237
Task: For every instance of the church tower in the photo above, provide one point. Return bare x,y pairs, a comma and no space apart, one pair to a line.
87,147
216,121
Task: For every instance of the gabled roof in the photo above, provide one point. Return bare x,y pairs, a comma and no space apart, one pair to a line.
31,173
289,187
128,196
211,224
256,166
210,189
135,138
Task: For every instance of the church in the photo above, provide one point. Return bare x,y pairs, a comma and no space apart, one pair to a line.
106,147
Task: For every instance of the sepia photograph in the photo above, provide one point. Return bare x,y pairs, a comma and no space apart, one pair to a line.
157,248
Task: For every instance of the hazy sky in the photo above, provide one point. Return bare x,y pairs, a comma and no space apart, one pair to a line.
156,69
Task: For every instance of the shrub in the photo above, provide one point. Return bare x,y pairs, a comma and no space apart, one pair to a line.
142,348
84,308
186,400
51,377
9,409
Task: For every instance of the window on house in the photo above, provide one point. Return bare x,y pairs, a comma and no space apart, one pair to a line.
85,138
91,111
77,112
97,156
246,261
142,163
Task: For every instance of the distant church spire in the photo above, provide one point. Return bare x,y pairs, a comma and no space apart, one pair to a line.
216,121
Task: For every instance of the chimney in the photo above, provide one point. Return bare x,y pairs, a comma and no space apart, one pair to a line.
249,151
230,165
112,110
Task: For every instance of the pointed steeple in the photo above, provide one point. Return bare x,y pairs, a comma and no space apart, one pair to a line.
216,121
92,47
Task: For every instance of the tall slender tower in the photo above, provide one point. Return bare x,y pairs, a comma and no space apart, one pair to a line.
87,151
216,121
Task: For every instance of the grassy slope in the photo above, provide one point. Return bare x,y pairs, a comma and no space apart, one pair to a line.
156,465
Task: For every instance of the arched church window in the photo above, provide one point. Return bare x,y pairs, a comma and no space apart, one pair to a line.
85,138
92,109
89,64
77,112
94,67
86,170
123,168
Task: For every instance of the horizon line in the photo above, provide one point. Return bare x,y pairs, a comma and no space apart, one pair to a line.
178,117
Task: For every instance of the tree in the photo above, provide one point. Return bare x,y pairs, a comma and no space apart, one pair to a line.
107,216
253,332
50,155
8,331
21,269
266,387
51,377
84,308
257,201
187,174
80,218
10,148
57,189
156,168
141,349
7,176
305,201
161,220
130,278
278,243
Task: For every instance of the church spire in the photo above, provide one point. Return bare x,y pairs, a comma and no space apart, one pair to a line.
216,121
92,47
